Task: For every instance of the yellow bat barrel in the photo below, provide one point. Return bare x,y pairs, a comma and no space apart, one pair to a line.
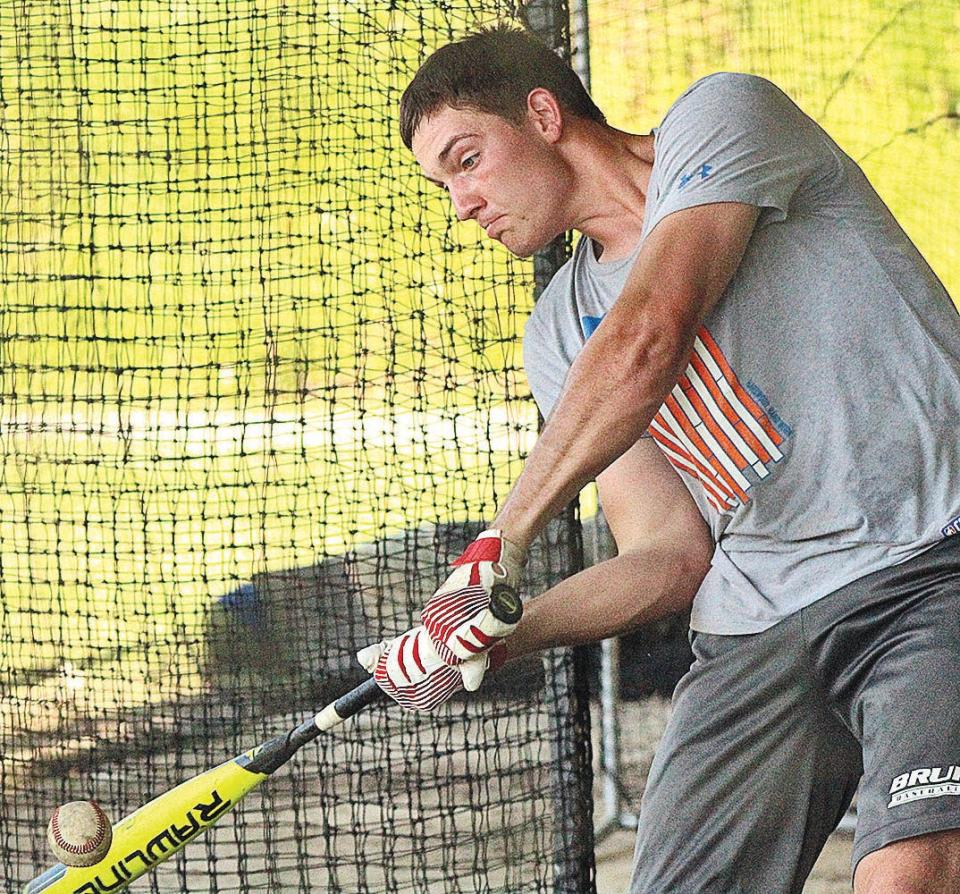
156,831
169,822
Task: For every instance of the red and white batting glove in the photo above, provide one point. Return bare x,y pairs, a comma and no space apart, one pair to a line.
458,616
409,670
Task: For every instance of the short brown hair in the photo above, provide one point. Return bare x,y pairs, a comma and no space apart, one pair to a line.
491,70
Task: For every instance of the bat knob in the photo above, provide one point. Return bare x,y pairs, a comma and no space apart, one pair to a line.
505,604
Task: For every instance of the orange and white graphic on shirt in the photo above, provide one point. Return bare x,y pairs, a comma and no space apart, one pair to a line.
710,427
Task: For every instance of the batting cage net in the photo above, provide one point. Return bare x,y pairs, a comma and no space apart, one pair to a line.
258,388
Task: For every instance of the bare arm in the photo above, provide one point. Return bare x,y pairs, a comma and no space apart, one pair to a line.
664,552
633,360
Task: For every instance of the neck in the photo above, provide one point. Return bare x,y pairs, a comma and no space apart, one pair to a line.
611,173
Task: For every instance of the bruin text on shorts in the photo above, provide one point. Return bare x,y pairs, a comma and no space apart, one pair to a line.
924,782
951,527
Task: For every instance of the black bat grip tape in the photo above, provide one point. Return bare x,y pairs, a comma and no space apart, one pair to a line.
358,698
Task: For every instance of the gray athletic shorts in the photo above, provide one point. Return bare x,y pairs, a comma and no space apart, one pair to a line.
771,732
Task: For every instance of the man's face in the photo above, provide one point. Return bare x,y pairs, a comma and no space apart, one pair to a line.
508,178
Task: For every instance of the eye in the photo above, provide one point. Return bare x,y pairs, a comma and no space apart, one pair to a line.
469,162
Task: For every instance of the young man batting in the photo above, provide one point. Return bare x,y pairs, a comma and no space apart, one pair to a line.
763,376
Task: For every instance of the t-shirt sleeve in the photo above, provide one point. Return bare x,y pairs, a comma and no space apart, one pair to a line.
739,138
545,367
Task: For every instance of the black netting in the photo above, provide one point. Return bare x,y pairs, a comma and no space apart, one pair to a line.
258,388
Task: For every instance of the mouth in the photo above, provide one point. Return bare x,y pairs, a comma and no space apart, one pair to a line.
489,225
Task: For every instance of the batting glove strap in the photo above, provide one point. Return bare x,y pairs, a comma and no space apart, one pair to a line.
458,616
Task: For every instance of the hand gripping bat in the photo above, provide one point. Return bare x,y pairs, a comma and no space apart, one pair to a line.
160,828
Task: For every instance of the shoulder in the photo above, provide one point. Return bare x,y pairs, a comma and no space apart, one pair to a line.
724,93
735,115
727,82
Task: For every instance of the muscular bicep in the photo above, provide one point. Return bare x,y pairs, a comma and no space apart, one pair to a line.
687,261
683,268
699,249
645,503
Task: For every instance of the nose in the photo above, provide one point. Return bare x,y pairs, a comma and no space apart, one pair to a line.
466,202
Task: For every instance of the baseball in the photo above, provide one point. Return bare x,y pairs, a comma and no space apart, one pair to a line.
79,833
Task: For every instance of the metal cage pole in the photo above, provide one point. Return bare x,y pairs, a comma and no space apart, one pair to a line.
603,548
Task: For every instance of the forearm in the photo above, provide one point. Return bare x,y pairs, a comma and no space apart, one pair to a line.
608,599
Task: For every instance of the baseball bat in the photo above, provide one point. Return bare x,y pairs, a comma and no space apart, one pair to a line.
165,825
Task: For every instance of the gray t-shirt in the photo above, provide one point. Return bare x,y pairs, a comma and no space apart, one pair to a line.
816,423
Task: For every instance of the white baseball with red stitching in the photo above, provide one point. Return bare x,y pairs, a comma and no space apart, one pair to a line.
79,833
458,616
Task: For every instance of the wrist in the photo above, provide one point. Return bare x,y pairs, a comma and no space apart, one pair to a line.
499,655
513,527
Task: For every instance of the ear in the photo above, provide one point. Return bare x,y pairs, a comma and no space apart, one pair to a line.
545,114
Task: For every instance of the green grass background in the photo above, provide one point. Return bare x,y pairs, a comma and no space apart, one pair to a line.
237,335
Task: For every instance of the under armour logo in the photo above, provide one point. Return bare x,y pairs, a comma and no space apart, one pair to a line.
702,172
